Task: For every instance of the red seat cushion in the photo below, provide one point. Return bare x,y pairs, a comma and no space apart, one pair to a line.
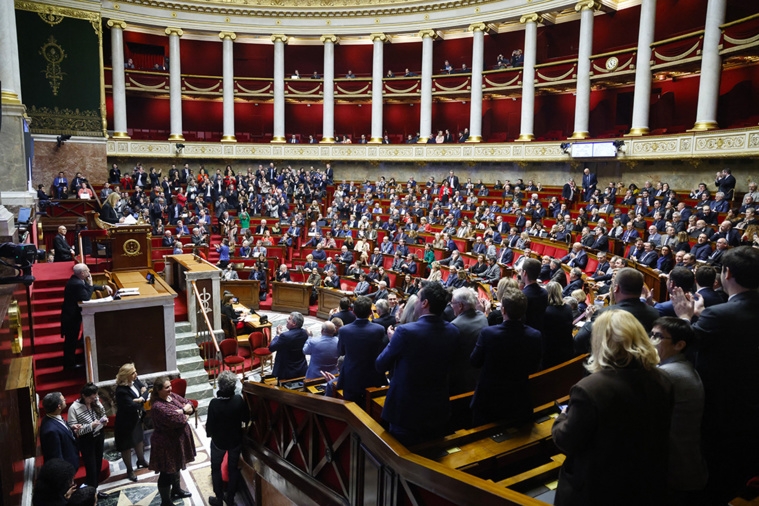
234,360
260,352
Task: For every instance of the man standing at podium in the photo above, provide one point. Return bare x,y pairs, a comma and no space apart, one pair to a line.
79,288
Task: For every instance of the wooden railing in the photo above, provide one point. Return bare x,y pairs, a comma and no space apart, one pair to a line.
318,450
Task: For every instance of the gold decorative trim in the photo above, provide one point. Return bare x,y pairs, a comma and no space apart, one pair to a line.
525,138
637,132
502,85
327,140
228,35
346,92
54,54
10,97
552,79
154,87
375,140
531,18
580,135
427,33
296,92
66,121
616,68
176,138
172,30
477,27
740,42
278,140
702,126
257,92
212,88
422,140
328,38
229,138
679,37
474,139
116,23
587,5
279,37
378,36
121,135
54,10
680,56
408,90
131,248
455,88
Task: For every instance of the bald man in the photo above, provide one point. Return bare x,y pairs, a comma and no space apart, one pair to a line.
63,251
79,288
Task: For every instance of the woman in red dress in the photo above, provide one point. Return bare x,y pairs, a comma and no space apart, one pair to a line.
172,445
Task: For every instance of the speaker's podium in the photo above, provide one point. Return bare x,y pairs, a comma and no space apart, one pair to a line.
290,297
137,328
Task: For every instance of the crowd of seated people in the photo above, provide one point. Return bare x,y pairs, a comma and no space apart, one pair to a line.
698,251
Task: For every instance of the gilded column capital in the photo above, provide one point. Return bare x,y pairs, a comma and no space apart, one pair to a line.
379,36
116,23
477,27
531,18
279,37
587,5
427,33
227,35
328,38
174,31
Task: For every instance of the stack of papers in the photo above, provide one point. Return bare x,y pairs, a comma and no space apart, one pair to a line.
124,292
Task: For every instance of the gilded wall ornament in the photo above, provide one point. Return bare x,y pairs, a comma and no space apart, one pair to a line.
54,55
50,18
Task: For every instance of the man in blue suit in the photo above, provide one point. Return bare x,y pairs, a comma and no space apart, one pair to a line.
360,343
56,438
290,361
422,354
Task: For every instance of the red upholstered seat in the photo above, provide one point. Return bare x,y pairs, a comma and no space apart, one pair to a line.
230,354
179,387
258,344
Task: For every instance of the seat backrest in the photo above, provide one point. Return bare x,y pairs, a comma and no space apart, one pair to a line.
179,386
256,340
228,347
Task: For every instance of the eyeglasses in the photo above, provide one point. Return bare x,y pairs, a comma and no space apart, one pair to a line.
658,335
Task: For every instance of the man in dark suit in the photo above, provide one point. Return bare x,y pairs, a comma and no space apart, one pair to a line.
453,181
57,440
508,353
385,318
589,184
290,362
576,257
79,288
469,321
421,353
575,282
728,363
506,255
649,256
360,342
345,314
63,252
569,191
627,287
679,277
725,182
537,297
705,277
601,242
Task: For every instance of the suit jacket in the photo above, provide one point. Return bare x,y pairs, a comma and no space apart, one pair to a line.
580,260
290,361
505,256
58,442
577,284
649,259
537,300
360,343
507,353
601,243
346,316
422,354
464,376
324,355
603,455
76,291
62,249
644,313
711,297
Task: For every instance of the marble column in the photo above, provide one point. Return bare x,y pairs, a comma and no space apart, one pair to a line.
475,103
228,85
175,84
527,123
279,88
378,65
328,115
586,8
10,75
642,95
425,106
119,89
711,67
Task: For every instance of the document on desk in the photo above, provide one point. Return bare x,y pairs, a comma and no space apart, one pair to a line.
98,301
125,292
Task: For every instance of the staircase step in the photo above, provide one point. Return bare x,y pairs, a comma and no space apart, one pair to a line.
185,338
195,377
183,327
187,350
189,364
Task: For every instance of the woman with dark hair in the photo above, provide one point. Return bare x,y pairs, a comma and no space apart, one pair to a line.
558,345
130,398
89,414
666,261
227,414
172,446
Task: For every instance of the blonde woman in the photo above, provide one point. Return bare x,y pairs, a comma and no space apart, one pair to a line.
438,242
617,420
435,272
494,316
108,211
131,395
361,246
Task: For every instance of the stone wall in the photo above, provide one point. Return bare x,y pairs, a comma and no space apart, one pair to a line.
87,156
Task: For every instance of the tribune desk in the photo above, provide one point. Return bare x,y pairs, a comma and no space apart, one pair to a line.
288,297
137,328
329,298
180,272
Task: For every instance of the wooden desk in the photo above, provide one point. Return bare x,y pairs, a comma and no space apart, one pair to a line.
137,328
253,322
329,298
288,297
246,291
181,271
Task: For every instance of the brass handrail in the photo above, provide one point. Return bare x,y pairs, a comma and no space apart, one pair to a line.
205,317
88,355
